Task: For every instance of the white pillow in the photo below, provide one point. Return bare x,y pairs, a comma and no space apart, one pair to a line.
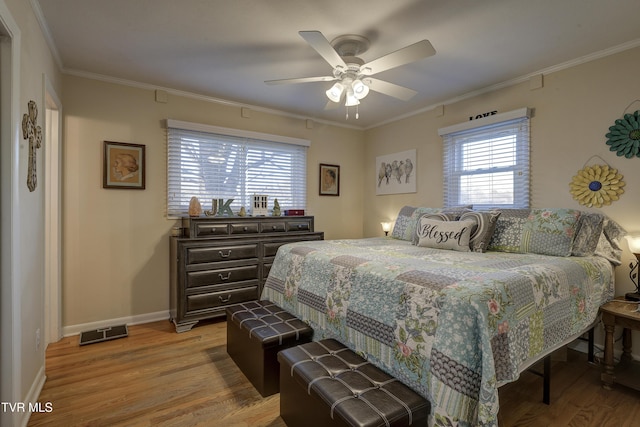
454,235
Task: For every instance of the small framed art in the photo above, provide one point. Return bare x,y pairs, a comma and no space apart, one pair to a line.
329,180
396,173
124,166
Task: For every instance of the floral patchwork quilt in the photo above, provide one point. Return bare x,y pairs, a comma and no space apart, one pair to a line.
454,326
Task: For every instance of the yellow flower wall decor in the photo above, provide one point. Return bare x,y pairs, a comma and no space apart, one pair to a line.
624,136
598,185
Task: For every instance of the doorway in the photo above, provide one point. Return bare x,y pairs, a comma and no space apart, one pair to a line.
52,226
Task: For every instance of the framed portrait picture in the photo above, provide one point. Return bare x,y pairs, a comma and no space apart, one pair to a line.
124,166
329,180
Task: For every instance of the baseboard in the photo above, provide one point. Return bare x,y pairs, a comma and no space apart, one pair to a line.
583,347
32,397
129,320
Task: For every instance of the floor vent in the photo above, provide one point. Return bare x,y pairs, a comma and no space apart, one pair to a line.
103,334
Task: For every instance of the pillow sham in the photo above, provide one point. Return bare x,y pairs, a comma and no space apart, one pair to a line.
549,231
508,231
483,231
402,222
609,242
453,235
588,233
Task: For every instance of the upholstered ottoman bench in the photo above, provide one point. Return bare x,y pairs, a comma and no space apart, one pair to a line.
256,332
326,384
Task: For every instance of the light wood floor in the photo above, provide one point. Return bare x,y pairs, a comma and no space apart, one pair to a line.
156,377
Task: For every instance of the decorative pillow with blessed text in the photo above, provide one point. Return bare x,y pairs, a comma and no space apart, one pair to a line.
437,234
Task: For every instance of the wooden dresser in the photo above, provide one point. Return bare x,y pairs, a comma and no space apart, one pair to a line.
222,261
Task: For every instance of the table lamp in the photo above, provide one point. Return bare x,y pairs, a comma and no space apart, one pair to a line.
634,247
386,227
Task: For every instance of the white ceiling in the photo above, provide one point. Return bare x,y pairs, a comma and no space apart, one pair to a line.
226,49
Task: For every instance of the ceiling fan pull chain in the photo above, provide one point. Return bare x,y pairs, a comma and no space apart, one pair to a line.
357,113
347,108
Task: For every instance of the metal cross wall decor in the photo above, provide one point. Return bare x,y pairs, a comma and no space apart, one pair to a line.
34,134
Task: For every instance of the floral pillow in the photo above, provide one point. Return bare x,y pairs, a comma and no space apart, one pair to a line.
508,232
453,235
549,231
402,222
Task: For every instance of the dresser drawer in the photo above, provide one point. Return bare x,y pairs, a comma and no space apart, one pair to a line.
269,249
221,276
212,300
200,255
211,230
244,228
299,225
266,268
273,227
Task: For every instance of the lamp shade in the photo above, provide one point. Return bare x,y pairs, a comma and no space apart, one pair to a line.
634,243
351,100
386,226
335,93
360,90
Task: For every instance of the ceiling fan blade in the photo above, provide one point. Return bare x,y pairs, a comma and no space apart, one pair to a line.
390,89
301,80
330,105
323,47
411,53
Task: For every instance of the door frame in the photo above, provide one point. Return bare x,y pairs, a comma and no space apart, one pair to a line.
53,213
10,301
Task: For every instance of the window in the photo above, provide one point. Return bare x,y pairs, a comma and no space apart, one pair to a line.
486,162
210,162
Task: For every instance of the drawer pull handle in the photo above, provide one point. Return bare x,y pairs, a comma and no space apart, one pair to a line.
225,300
273,227
224,277
223,255
299,225
245,228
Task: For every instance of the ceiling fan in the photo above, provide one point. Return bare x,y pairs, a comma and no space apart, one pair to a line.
352,74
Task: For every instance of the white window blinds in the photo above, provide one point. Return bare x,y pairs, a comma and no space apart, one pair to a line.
219,163
488,165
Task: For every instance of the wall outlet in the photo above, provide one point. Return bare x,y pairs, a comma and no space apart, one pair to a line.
38,339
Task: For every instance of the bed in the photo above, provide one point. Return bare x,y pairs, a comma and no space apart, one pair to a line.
455,323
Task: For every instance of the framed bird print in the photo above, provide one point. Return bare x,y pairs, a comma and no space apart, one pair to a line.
396,173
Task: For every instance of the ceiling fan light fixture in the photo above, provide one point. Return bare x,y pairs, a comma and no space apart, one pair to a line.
335,93
352,100
360,89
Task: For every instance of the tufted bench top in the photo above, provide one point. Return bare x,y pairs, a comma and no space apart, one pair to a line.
267,322
354,391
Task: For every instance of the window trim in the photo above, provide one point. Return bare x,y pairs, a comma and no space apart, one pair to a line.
515,117
486,121
199,127
179,126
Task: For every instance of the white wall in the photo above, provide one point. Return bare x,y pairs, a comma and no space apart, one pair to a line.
27,212
572,113
116,242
